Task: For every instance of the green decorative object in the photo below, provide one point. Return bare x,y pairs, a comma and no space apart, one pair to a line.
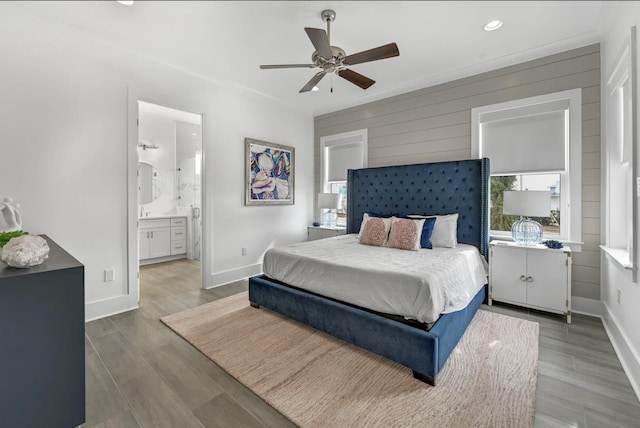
5,236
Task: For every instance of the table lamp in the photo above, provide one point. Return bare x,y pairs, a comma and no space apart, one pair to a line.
530,203
330,202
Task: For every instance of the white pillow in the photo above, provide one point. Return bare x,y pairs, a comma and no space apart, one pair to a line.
405,233
445,231
374,235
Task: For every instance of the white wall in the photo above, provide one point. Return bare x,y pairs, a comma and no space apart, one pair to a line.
621,319
63,147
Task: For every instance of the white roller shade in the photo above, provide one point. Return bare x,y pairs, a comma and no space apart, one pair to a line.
342,157
533,143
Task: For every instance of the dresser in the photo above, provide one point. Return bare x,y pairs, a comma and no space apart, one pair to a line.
42,368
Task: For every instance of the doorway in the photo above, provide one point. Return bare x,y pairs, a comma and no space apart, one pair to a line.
169,192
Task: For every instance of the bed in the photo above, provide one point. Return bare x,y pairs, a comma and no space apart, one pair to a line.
436,189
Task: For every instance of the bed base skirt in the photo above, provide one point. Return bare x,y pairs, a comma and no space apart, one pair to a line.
425,352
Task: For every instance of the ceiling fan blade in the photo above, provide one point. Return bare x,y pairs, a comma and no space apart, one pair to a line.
311,83
265,67
381,52
320,41
356,78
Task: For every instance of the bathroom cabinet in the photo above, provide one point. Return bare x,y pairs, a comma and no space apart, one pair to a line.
42,343
155,238
178,235
162,239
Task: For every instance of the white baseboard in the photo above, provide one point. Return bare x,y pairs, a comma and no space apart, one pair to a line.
628,358
107,307
233,275
144,262
119,304
581,305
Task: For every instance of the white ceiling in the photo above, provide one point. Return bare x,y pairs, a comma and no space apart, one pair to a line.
226,41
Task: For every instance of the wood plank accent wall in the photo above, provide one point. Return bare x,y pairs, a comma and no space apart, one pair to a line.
434,124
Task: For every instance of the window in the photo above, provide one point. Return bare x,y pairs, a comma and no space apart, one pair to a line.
338,154
534,144
340,187
541,182
619,161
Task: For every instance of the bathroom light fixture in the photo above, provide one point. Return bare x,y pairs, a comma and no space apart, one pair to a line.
125,2
315,89
493,25
146,145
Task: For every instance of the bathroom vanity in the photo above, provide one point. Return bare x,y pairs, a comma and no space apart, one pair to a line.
162,239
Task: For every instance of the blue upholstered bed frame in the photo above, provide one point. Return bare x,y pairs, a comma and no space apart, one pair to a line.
435,188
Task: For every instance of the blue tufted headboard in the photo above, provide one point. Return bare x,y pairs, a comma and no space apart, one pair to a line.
430,188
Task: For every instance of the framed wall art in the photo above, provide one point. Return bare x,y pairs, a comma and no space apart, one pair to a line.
269,173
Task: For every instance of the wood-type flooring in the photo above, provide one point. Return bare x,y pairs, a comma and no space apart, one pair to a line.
141,374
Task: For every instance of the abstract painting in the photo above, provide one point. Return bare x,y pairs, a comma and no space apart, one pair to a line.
269,173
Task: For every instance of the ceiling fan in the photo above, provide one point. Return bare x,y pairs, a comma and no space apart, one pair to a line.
332,59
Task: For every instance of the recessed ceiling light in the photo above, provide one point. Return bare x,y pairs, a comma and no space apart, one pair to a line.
493,25
125,2
194,134
315,89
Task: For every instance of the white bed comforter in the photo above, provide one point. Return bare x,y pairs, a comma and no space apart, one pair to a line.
417,285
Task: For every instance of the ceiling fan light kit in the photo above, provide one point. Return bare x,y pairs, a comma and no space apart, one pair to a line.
332,59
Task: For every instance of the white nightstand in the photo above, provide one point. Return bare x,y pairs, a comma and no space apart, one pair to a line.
321,232
533,276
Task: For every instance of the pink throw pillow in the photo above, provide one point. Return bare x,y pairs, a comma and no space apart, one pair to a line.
405,234
374,232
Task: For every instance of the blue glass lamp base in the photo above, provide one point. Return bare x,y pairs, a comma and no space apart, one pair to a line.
526,232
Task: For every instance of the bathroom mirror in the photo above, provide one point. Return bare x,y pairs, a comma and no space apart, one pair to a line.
149,183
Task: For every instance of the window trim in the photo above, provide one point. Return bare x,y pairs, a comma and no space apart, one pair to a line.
573,185
624,72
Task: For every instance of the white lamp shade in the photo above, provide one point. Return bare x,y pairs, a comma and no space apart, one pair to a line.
329,200
530,203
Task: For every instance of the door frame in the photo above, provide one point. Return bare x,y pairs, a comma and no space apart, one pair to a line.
133,224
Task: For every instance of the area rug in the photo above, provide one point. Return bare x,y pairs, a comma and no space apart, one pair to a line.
316,380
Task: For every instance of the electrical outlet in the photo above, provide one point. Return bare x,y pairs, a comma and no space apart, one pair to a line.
618,296
244,251
108,275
